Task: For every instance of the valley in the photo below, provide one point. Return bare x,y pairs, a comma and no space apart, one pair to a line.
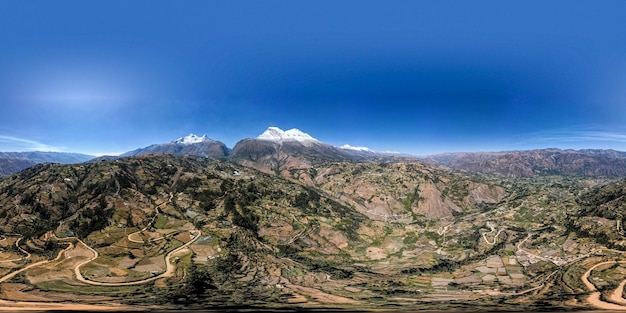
295,223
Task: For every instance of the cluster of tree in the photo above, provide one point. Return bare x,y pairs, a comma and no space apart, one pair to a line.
315,264
242,215
91,220
309,202
599,236
238,203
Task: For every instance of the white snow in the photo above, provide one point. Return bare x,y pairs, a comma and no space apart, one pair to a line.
362,149
277,134
191,139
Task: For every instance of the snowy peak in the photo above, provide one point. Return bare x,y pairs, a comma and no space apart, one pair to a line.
191,139
188,145
277,134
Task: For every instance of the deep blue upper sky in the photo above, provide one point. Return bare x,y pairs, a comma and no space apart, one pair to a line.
412,76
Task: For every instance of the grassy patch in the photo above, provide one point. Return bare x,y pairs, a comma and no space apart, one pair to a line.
160,222
61,286
410,239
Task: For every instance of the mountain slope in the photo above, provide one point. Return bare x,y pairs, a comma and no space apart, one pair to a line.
589,162
276,150
13,162
189,145
252,216
338,233
601,214
406,191
10,166
48,157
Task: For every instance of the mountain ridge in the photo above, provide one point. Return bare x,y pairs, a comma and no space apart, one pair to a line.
188,145
276,150
13,162
549,161
51,157
273,133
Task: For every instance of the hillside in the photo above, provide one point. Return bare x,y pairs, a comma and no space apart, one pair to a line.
48,157
188,145
10,166
171,230
589,162
13,162
601,214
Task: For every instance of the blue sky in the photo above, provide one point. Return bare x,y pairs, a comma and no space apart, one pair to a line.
417,77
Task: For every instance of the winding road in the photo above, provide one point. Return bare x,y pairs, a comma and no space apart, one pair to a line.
495,238
17,244
42,262
595,299
169,271
617,295
151,222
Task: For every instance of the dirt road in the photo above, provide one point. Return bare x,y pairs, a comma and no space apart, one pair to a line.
12,274
169,271
594,298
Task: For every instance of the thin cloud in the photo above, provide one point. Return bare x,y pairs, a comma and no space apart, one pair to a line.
604,136
10,143
568,136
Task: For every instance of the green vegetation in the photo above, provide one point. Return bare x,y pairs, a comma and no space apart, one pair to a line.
62,286
160,221
262,233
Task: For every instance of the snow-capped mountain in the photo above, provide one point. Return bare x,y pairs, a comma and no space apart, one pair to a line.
277,134
274,148
191,139
278,150
188,145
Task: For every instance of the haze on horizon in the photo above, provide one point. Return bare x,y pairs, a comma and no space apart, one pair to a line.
418,77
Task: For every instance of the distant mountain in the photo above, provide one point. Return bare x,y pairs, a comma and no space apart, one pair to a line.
294,134
189,145
48,157
277,150
589,162
270,148
13,162
10,166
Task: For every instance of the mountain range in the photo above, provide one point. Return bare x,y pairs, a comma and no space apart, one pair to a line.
273,141
587,162
277,150
284,221
13,162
